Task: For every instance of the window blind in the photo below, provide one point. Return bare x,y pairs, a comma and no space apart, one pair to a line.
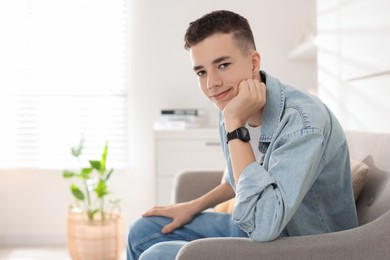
62,75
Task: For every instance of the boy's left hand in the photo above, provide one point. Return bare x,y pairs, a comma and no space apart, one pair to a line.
250,99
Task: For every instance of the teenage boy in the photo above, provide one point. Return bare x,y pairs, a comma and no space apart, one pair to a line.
286,154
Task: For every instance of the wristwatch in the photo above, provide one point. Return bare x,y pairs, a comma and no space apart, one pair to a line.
241,133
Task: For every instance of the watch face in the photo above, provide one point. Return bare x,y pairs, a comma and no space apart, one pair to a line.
244,134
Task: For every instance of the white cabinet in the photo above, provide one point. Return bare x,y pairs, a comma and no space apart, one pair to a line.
197,148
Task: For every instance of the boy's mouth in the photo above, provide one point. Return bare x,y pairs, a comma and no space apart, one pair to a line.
220,95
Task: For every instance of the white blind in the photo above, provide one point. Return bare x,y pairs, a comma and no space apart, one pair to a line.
62,66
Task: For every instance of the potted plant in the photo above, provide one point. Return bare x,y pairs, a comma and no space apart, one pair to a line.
95,226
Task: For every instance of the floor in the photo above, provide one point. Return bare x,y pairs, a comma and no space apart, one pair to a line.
37,253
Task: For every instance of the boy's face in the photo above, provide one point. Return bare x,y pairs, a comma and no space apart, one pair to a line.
220,66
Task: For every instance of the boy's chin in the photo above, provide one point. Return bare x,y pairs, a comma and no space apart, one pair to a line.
220,106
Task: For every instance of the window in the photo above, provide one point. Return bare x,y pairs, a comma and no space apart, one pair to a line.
62,75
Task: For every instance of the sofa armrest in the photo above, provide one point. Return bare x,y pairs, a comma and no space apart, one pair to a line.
189,184
369,241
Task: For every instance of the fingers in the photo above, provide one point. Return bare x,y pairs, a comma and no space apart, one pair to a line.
253,88
170,227
155,211
259,91
252,85
179,213
161,211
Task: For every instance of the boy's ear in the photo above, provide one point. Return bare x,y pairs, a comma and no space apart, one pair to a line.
256,58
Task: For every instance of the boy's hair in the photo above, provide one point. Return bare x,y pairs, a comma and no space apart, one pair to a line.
221,22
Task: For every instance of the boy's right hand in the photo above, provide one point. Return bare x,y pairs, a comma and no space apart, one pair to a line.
181,214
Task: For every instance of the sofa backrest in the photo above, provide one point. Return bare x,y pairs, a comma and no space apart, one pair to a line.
374,150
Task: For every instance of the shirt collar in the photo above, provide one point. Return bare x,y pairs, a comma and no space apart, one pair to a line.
273,108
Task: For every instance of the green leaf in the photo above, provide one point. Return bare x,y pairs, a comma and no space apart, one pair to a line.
68,174
77,192
101,189
95,165
104,159
85,172
76,151
109,174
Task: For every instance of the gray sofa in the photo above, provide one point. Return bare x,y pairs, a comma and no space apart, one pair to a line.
371,240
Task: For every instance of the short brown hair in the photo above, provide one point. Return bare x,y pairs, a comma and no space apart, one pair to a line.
220,22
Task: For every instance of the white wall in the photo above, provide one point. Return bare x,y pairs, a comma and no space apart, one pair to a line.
354,62
34,202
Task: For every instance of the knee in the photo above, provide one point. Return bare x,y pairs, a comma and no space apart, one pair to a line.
144,230
152,253
137,230
163,251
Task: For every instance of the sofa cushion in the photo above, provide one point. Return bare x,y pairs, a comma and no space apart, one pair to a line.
359,171
225,207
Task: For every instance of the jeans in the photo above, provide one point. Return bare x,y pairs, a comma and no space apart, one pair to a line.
145,240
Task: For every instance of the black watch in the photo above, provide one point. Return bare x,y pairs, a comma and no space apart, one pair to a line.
241,133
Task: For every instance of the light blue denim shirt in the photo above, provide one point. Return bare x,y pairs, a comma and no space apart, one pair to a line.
303,186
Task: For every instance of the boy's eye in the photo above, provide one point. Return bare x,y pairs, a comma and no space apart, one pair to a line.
224,65
200,73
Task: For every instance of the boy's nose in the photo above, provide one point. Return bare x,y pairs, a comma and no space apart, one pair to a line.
213,81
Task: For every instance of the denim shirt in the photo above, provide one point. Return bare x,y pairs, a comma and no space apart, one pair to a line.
303,184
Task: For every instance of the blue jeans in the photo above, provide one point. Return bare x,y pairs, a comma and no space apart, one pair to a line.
145,240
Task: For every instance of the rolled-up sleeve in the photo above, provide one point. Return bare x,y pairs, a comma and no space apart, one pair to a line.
268,196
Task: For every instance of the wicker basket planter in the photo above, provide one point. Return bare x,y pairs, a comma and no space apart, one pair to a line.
95,239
